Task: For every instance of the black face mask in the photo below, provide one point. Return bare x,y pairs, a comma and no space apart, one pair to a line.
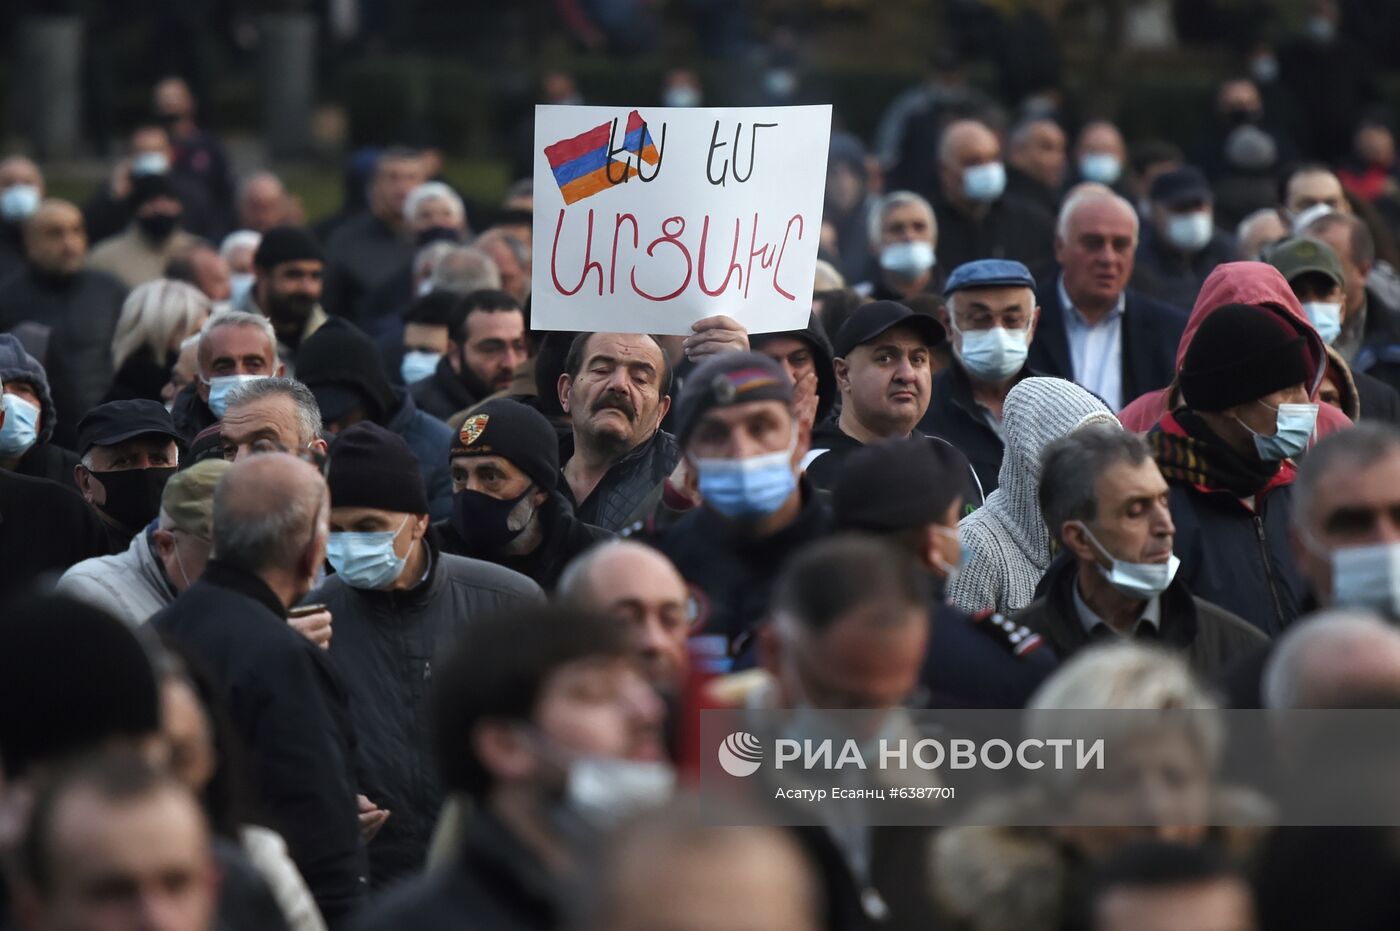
481,520
157,227
437,234
133,495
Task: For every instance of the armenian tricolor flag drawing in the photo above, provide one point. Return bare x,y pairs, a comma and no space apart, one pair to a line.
581,164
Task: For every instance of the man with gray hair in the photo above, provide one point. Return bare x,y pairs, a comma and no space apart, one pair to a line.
234,348
1105,502
902,235
284,698
272,415
1094,329
463,270
1339,659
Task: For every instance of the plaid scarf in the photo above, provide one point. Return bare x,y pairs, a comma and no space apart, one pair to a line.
1198,456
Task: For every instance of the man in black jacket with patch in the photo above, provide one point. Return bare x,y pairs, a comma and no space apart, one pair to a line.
506,503
398,605
287,703
1095,330
1105,501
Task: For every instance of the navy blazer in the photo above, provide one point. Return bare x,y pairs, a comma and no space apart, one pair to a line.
1151,331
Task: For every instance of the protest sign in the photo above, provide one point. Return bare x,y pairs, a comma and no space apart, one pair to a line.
649,219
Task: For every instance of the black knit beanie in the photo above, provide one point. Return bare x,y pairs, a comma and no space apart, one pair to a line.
1239,354
287,244
371,467
518,434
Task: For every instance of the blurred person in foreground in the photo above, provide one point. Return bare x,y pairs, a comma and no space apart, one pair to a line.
399,604
1001,875
676,869
1152,886
541,720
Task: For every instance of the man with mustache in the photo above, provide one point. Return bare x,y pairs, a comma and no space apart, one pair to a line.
616,391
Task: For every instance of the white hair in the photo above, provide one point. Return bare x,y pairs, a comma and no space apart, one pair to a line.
239,239
432,190
1081,199
153,313
464,269
1318,656
883,206
827,277
236,318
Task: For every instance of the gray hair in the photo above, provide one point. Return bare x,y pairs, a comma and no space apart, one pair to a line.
881,208
1071,466
464,269
1085,198
1359,447
236,318
517,246
428,256
268,525
1362,245
1312,659
827,277
152,313
239,239
307,410
428,191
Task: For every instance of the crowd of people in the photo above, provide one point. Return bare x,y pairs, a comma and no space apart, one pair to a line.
336,596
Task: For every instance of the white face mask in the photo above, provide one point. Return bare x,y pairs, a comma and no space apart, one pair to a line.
1326,318
1190,232
606,790
993,355
1367,577
984,182
1140,581
910,259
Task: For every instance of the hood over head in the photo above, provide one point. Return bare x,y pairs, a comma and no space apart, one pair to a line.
18,365
816,339
340,355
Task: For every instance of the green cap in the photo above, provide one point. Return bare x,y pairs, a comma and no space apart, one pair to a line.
1296,257
188,498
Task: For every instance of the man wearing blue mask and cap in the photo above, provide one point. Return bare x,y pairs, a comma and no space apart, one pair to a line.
1105,502
1180,245
977,218
737,432
991,317
398,603
1228,453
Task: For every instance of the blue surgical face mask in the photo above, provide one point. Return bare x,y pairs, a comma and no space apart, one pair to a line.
1295,428
18,202
910,259
1102,167
220,387
1367,576
418,365
1326,318
993,355
747,489
366,560
1190,232
20,430
240,283
984,182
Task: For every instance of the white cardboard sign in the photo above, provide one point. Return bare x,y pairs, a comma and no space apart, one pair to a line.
648,219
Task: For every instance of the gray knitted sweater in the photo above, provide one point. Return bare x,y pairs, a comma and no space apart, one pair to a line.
1007,540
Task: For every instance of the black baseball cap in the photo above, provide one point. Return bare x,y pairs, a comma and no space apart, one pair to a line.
898,484
870,320
1185,185
111,423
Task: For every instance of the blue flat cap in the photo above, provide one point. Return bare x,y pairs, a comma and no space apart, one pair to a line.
989,273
